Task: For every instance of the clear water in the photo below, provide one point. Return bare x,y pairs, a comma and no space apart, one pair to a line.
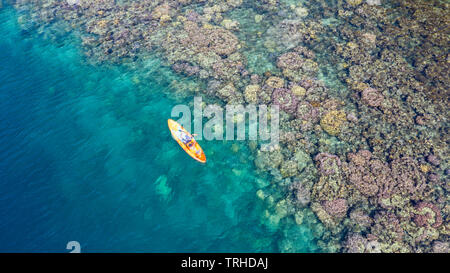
86,156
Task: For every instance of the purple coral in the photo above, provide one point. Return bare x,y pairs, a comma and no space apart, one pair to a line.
425,218
359,173
308,114
285,99
306,111
355,243
217,40
221,41
361,157
328,163
433,160
372,97
434,178
290,60
336,208
373,178
409,180
193,16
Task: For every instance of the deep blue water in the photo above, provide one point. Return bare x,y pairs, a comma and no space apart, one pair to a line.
81,147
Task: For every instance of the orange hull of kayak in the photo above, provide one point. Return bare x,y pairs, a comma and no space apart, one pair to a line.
195,151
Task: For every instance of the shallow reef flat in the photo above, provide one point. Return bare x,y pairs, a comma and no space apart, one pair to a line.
363,160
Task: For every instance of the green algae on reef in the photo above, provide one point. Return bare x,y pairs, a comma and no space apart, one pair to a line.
363,85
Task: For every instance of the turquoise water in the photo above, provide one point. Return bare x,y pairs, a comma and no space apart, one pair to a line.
86,156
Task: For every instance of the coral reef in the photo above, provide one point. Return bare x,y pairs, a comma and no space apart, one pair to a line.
285,99
363,90
302,195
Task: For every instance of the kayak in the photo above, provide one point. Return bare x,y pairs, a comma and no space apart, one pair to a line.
186,141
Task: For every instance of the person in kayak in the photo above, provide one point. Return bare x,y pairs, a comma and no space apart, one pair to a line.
187,141
185,138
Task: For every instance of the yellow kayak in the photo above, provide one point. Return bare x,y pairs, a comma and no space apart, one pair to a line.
186,141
